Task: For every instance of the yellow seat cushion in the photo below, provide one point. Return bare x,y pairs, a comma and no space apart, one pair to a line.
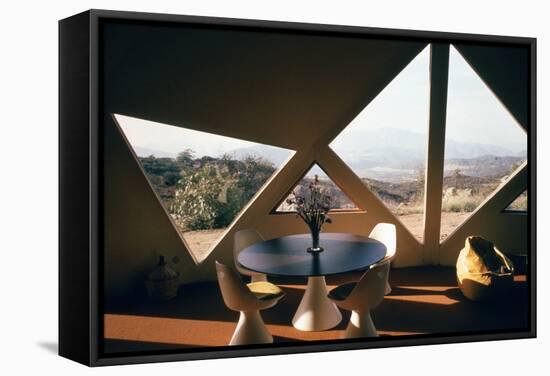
342,292
265,290
483,271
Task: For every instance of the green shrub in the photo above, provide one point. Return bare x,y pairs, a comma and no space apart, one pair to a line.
196,205
211,195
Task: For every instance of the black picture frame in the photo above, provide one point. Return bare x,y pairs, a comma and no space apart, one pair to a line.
80,182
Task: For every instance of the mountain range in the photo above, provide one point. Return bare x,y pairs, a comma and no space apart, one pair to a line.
395,155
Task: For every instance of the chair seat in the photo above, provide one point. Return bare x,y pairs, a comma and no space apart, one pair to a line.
265,290
342,292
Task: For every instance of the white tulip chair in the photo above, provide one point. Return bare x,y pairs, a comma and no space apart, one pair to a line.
360,298
386,234
243,239
249,300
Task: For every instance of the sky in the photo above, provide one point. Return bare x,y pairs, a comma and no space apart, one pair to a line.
474,114
170,139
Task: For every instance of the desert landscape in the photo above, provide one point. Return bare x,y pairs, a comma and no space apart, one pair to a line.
203,194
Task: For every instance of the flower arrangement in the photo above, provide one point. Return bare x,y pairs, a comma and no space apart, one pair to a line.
312,207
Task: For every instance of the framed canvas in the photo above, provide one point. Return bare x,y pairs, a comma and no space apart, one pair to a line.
239,187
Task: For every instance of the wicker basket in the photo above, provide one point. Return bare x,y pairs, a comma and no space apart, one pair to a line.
163,282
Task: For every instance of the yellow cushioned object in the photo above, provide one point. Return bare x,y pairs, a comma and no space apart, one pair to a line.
482,270
265,290
342,292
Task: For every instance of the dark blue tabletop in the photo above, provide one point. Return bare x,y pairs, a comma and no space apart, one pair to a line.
288,256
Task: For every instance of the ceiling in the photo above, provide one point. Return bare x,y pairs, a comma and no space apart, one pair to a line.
270,87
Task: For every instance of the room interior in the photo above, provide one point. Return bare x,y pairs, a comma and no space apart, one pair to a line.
297,92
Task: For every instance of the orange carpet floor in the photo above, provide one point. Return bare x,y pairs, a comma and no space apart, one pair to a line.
424,300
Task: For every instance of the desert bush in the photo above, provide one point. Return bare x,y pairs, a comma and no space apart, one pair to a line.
196,204
212,194
461,201
470,206
409,208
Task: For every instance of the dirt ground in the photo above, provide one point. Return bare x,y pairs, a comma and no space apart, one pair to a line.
201,242
449,221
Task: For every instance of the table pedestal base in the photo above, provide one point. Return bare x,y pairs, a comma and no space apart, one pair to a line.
316,311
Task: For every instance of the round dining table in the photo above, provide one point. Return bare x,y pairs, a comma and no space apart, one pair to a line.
288,256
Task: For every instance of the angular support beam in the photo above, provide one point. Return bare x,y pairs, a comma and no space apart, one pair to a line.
439,73
274,190
278,187
357,191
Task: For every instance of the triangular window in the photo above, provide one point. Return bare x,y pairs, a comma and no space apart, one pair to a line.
203,180
386,144
339,200
484,145
519,204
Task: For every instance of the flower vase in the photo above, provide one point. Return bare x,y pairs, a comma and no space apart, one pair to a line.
315,247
